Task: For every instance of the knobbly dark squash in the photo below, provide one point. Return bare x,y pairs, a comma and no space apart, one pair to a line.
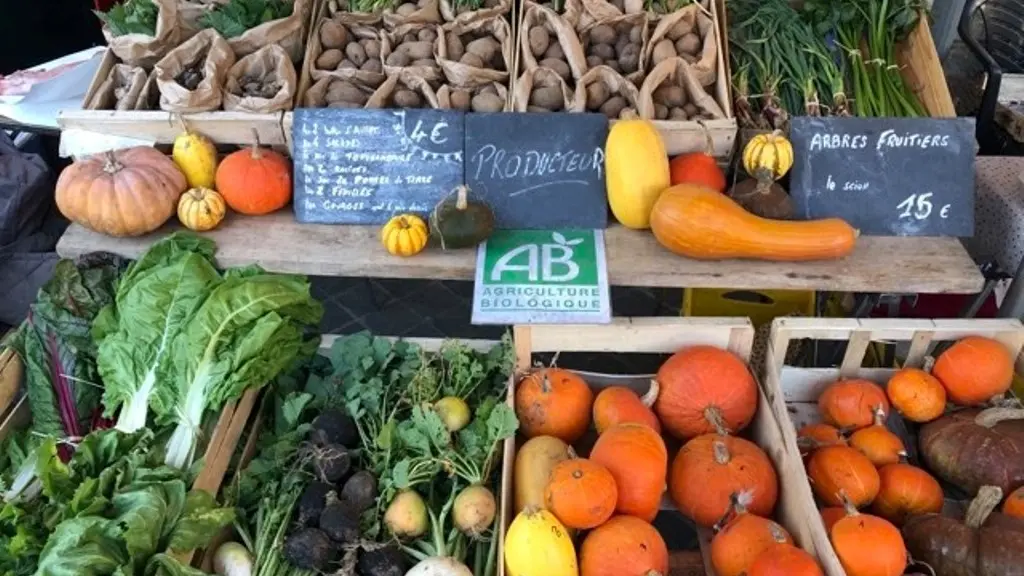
461,222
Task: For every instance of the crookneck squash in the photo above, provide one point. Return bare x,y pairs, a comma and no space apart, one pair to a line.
460,221
699,223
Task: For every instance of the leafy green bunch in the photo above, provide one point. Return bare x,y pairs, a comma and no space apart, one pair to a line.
234,18
130,17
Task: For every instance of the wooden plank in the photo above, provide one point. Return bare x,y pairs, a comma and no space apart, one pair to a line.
163,127
922,70
279,244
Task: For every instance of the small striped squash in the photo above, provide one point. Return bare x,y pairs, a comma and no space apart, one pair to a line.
768,156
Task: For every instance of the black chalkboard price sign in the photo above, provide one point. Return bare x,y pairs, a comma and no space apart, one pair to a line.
540,170
886,176
355,166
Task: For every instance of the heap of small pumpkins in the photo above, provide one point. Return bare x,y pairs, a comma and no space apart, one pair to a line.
135,191
854,462
683,204
702,396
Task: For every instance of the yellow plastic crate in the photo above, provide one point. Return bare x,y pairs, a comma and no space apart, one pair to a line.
761,306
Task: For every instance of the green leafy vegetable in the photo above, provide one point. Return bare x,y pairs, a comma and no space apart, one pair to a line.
130,17
236,16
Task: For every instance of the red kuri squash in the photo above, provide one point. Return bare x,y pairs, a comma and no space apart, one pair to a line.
905,490
705,389
881,445
553,402
839,472
624,546
974,370
868,545
581,493
255,181
851,404
638,460
784,560
917,395
620,405
742,538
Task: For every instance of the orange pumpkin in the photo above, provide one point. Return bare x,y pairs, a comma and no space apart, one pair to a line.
711,468
121,193
836,471
620,405
1014,505
624,546
638,460
581,493
830,515
784,560
868,545
255,181
735,547
553,402
814,436
697,222
705,389
905,490
878,443
916,394
698,168
851,404
974,370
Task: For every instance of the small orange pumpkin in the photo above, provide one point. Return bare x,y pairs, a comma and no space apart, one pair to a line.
553,402
878,443
830,515
868,545
814,436
711,468
851,404
624,546
638,460
1014,505
974,370
255,181
620,405
737,544
784,560
916,394
836,471
581,493
705,389
905,490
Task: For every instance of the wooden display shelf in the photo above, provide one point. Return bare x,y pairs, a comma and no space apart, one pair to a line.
279,244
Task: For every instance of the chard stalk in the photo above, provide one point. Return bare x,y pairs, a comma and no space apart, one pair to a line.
182,445
135,411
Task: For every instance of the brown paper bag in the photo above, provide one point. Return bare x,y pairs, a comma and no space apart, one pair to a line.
697,20
542,77
456,98
288,32
397,60
120,90
319,95
143,50
570,10
403,80
460,73
563,31
627,28
603,80
214,57
598,11
462,15
189,13
413,12
356,30
149,98
676,72
270,64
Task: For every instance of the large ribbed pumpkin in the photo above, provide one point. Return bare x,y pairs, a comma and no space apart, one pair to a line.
638,460
705,389
711,468
255,181
121,193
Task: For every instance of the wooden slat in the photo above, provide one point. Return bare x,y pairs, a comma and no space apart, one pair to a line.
164,127
922,70
279,244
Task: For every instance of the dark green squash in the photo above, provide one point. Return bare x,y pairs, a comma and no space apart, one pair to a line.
461,222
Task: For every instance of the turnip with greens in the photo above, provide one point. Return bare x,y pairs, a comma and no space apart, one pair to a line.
309,549
334,426
340,521
332,462
232,559
439,566
388,560
406,516
454,412
474,510
312,502
360,491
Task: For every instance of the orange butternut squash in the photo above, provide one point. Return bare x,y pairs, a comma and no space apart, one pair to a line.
699,223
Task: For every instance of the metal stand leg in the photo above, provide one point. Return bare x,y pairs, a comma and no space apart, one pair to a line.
1013,304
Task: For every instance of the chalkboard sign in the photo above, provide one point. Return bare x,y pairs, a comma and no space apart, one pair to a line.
886,176
364,166
539,171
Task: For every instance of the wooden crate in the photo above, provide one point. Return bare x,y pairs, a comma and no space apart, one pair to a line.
797,389
227,431
922,70
658,336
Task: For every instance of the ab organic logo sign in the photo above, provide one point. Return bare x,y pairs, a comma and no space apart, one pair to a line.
541,275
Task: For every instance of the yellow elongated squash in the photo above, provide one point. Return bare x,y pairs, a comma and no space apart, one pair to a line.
636,171
537,544
196,157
